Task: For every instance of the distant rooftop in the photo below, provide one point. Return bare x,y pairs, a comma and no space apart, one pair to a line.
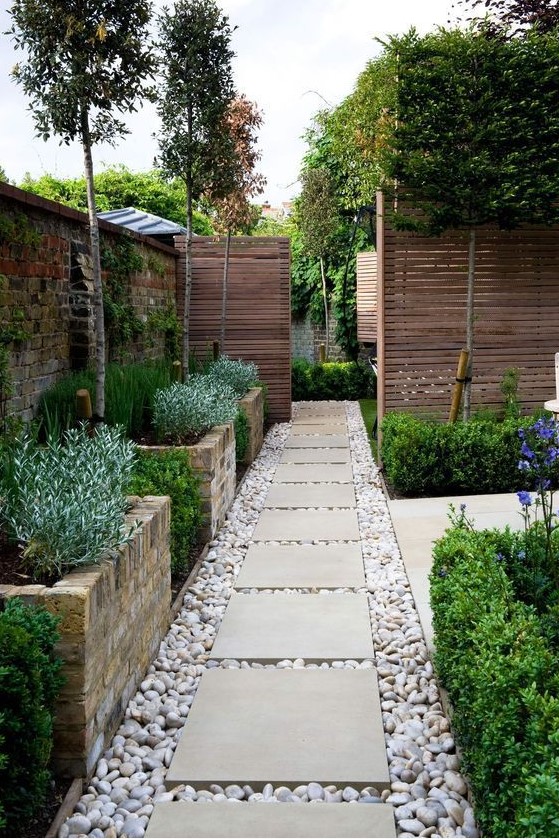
140,222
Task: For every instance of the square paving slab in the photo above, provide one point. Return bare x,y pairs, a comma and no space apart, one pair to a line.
300,473
286,727
302,566
306,526
175,819
316,627
315,456
310,495
317,441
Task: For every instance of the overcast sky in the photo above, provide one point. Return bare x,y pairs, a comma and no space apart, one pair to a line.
292,57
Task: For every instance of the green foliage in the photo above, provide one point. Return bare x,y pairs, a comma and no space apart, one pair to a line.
196,89
509,389
332,380
17,228
236,374
120,260
182,413
170,473
241,435
425,457
500,670
65,502
130,391
83,64
29,684
118,187
167,322
465,149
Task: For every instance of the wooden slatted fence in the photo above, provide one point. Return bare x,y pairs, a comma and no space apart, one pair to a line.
367,297
422,316
258,318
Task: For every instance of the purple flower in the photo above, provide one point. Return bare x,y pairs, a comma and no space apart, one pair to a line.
526,451
462,507
524,497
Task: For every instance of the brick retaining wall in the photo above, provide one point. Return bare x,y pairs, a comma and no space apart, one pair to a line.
113,617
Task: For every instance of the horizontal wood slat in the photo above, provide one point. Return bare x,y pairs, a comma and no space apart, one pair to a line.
367,297
424,316
258,319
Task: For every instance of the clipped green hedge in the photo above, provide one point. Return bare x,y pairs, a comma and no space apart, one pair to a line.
29,684
502,676
332,380
425,457
169,473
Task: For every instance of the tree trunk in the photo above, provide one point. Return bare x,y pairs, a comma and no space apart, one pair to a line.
188,262
96,264
326,316
470,322
224,289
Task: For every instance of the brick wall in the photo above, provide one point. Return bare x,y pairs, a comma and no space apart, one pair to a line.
306,338
46,281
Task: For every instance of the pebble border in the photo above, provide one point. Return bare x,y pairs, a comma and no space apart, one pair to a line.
428,793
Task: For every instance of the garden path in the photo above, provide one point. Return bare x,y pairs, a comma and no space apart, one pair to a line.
297,670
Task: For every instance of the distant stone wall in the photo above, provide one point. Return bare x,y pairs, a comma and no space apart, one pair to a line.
307,337
46,285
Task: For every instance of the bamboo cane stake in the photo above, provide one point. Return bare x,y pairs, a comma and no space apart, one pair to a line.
459,386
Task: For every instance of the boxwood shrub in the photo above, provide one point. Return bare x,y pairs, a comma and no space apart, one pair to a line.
169,473
501,672
29,684
426,457
332,380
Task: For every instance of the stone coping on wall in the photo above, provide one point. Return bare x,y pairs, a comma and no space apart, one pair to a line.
112,618
253,405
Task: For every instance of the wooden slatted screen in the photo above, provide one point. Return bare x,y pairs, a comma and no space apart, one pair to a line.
258,321
422,306
367,297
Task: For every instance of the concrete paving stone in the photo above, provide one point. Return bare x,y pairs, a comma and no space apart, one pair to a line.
306,526
315,456
325,408
332,426
310,495
316,627
283,726
317,441
186,820
301,473
302,566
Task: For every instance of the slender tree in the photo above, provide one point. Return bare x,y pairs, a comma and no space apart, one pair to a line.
476,137
234,210
195,93
84,60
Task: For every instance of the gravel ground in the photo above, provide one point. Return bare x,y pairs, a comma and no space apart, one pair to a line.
427,790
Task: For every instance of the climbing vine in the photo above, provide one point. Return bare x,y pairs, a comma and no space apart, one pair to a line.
119,260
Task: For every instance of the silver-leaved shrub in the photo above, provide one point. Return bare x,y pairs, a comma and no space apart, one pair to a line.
182,412
237,374
65,502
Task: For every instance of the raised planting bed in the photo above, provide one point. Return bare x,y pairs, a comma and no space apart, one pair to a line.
253,405
213,459
112,619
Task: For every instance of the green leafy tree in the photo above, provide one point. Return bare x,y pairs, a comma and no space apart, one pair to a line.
318,215
84,60
194,95
234,210
117,187
476,137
